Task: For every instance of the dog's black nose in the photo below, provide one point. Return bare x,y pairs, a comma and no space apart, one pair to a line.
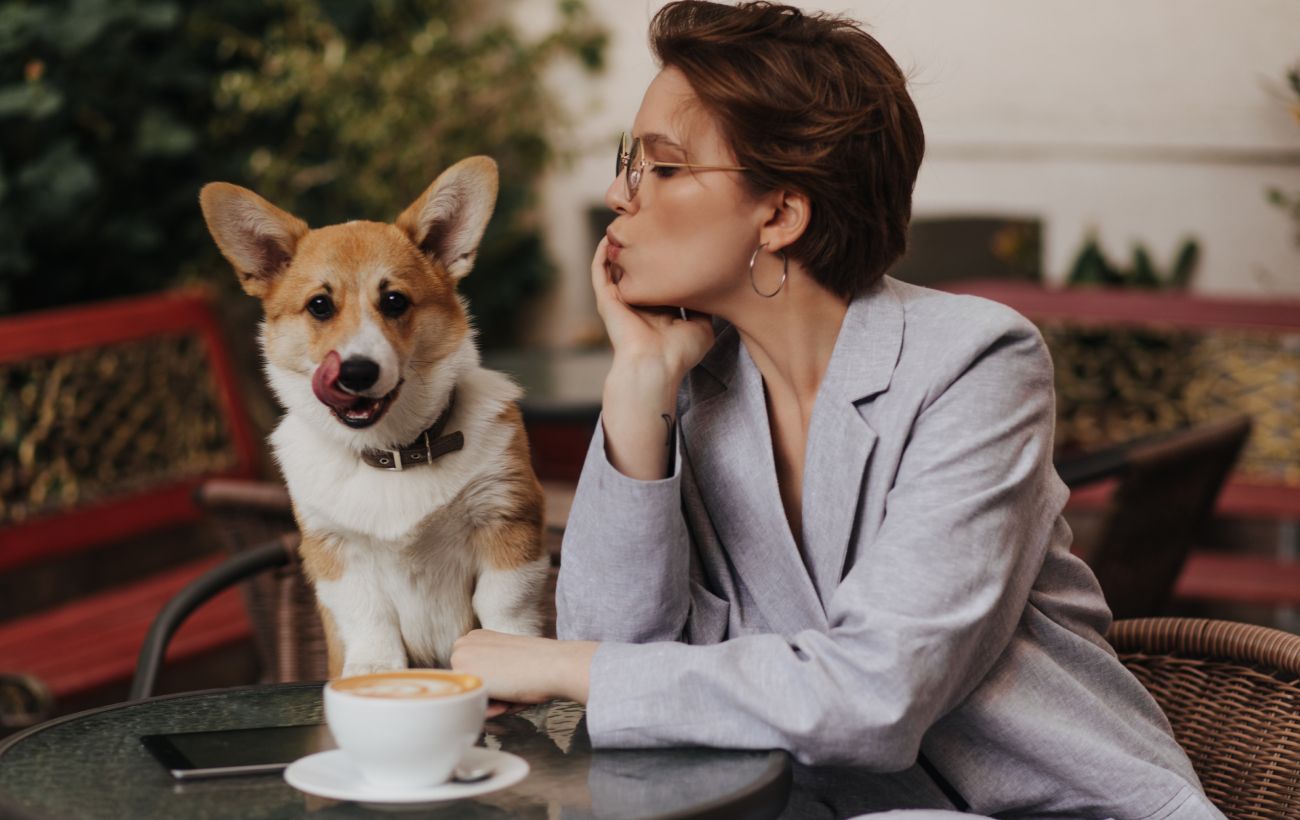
357,374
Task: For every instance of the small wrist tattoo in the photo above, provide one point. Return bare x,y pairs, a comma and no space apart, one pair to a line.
668,420
671,423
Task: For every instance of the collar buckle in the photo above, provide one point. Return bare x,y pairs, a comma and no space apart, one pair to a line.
424,450
389,459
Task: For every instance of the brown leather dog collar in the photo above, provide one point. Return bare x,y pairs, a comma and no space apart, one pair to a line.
430,445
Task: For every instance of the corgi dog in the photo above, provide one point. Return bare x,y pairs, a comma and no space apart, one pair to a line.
406,461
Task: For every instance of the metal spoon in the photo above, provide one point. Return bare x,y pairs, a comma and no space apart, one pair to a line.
471,774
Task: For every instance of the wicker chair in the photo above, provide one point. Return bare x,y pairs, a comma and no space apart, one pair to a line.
281,605
1232,693
25,700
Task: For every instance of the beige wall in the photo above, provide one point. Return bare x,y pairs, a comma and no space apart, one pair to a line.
1144,121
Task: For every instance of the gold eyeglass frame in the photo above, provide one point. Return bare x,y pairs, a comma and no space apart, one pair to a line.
631,155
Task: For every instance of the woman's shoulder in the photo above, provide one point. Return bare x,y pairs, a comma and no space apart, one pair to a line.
956,316
946,334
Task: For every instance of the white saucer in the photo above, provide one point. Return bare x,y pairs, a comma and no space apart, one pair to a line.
332,774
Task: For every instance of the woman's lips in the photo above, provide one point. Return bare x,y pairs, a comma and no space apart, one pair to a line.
613,249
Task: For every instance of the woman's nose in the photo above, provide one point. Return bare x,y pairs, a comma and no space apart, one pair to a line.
616,197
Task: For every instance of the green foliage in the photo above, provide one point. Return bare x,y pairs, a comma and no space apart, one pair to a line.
1092,267
114,113
1289,203
1276,196
100,119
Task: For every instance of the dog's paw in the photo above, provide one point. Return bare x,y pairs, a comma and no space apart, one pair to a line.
370,668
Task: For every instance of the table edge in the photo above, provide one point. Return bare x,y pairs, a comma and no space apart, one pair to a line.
8,743
779,773
779,766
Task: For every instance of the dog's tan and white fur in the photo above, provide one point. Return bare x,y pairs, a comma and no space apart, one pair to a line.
403,563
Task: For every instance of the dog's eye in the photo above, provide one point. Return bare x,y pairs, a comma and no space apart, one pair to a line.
393,304
321,307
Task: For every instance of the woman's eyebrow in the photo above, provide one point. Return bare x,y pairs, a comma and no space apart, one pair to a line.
660,140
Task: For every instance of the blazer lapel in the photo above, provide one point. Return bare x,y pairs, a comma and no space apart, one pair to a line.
726,437
840,441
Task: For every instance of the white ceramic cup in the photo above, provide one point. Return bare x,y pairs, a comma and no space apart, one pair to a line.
406,729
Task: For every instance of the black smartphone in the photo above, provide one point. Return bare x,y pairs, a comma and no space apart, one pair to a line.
194,755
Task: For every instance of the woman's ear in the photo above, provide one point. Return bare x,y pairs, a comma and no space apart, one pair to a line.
787,219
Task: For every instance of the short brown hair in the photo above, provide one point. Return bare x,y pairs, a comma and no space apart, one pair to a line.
813,104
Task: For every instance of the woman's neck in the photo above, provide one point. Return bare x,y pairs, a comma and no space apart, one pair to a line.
791,337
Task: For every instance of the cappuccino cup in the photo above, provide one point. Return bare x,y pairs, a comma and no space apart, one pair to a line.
406,729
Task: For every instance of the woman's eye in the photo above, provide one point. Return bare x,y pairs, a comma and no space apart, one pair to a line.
393,304
321,307
665,171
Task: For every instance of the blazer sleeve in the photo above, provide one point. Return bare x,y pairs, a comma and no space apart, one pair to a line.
628,571
929,605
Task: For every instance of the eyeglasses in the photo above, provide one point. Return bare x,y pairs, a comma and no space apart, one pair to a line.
631,163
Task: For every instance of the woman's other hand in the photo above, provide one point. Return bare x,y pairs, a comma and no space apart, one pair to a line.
643,335
524,669
653,350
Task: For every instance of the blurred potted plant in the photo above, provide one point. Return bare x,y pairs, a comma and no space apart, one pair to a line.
1290,202
1092,267
1115,383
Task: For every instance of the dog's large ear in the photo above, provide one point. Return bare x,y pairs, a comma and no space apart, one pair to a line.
448,220
256,237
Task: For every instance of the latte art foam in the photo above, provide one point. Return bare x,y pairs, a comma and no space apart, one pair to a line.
407,685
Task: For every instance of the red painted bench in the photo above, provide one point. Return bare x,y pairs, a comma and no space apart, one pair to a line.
93,642
123,408
1242,579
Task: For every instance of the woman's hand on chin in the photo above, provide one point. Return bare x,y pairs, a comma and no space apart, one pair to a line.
656,337
524,669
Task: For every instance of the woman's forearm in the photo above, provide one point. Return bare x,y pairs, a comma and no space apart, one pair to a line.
573,668
638,410
626,569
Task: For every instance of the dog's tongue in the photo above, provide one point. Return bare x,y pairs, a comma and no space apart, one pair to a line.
325,384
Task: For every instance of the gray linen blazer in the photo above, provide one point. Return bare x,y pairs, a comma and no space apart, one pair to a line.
934,609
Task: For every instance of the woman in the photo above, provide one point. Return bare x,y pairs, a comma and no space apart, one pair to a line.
820,512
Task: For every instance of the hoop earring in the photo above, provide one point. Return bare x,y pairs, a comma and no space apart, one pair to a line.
785,272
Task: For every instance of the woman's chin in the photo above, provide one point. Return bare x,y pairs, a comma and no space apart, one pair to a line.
639,300
635,296
631,294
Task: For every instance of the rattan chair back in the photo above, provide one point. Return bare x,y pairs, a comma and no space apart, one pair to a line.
281,604
1231,692
1165,498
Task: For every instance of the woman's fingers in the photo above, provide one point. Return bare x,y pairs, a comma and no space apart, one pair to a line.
661,333
524,669
496,708
694,337
511,666
602,284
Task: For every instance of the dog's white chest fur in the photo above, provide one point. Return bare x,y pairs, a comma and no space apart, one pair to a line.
334,491
410,585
